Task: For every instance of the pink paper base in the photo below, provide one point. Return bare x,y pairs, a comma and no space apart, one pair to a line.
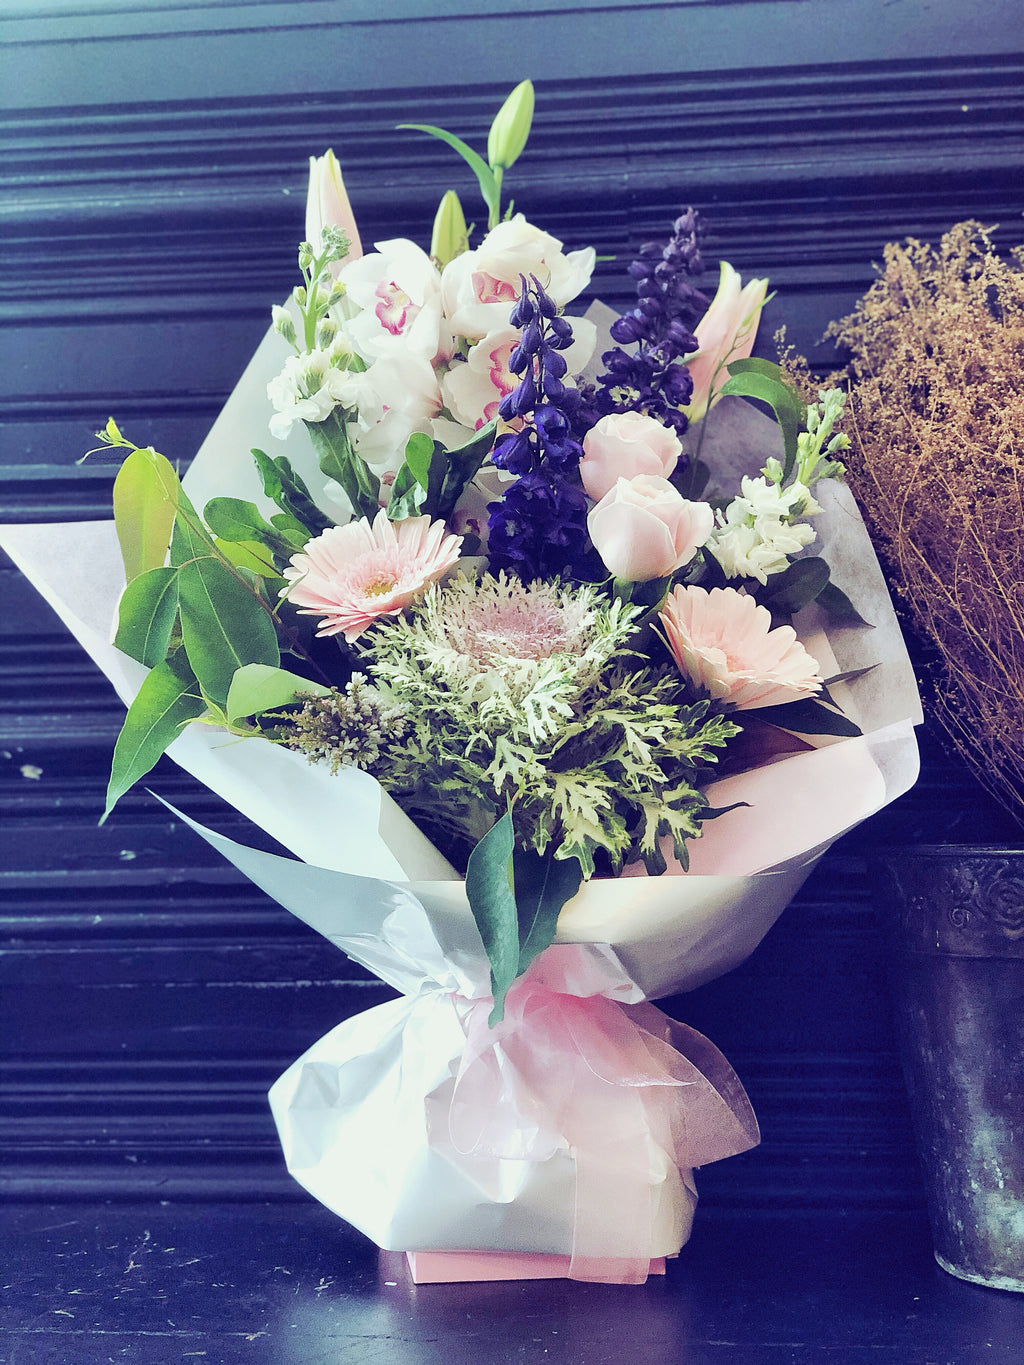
453,1267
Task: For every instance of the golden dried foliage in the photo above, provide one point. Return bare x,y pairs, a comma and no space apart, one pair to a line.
937,424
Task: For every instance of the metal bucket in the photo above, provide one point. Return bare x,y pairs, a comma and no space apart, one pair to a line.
957,925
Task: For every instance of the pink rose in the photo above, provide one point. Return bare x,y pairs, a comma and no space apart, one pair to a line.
726,333
643,528
623,445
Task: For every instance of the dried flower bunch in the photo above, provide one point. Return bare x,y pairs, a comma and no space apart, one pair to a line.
937,424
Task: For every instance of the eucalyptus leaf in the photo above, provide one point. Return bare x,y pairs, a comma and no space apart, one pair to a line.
146,614
256,688
543,884
145,497
168,698
491,891
223,625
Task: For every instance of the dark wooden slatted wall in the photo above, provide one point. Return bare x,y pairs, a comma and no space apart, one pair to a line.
154,161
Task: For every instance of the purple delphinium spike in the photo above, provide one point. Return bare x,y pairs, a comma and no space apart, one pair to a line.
652,379
539,528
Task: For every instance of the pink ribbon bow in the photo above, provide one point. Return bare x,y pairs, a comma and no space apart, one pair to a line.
632,1093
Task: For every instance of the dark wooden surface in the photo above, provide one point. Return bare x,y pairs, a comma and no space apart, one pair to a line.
154,162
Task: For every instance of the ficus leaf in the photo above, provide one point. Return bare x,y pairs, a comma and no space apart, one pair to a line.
223,625
491,891
145,497
168,698
145,615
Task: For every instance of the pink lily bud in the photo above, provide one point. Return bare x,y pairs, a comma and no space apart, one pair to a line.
327,206
726,333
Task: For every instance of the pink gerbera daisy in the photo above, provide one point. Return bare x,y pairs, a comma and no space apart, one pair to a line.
353,574
724,642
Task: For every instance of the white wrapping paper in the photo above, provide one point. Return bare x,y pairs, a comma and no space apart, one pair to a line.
365,1116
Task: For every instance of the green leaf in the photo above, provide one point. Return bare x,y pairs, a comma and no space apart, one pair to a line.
285,488
235,519
145,615
491,891
757,380
190,538
691,481
407,496
253,556
489,186
850,674
792,589
419,455
340,462
461,465
223,625
542,886
839,608
146,493
256,688
291,528
808,717
167,700
432,479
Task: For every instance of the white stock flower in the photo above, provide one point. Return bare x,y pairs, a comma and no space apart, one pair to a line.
308,389
756,536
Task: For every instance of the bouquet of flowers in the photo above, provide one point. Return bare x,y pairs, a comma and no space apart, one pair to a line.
526,650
